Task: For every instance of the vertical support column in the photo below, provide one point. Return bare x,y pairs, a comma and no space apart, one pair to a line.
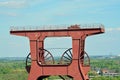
35,71
78,56
40,40
78,43
75,47
33,49
40,45
82,67
35,44
74,69
82,44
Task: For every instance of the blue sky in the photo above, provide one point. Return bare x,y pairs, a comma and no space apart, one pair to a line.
57,12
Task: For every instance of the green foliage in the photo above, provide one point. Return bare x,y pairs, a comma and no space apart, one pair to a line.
12,70
19,75
15,70
10,66
106,78
111,64
92,73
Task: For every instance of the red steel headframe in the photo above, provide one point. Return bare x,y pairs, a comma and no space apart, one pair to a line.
77,70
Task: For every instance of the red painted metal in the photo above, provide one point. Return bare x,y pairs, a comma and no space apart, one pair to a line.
76,69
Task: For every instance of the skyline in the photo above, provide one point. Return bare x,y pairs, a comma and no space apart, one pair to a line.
52,12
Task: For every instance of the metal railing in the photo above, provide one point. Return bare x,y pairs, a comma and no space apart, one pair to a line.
54,27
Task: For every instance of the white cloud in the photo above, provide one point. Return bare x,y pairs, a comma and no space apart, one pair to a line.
112,29
69,7
96,7
20,3
109,29
13,3
9,14
118,29
12,14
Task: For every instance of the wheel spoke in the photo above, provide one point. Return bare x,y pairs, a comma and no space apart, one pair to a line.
45,57
48,58
69,55
66,57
